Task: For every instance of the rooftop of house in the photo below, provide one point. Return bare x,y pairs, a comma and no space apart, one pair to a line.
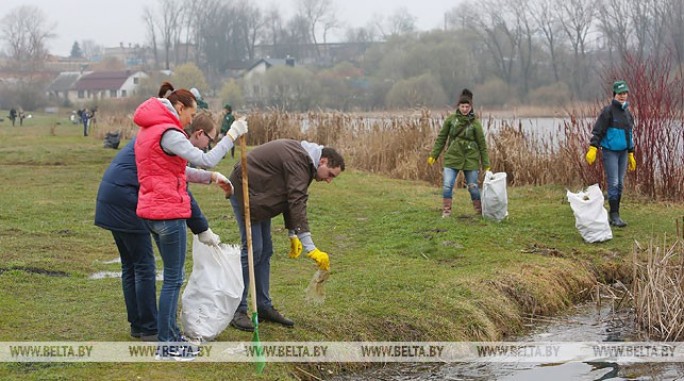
102,80
64,81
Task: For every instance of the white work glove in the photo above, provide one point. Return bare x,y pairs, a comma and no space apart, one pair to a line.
209,238
223,182
218,178
237,129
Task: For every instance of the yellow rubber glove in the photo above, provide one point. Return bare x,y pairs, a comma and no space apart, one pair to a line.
295,247
321,259
631,162
591,155
431,160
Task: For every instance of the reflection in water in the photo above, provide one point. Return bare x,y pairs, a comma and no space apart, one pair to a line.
585,324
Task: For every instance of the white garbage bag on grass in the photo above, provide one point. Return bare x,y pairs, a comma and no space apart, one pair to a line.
494,196
213,292
591,218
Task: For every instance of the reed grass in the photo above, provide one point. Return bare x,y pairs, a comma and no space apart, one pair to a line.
658,288
397,146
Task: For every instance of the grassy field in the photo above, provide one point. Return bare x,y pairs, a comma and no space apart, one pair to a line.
399,271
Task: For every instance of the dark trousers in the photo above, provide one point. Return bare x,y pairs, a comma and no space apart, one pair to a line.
138,279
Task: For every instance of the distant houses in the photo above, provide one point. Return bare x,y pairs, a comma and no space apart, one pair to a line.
252,86
79,87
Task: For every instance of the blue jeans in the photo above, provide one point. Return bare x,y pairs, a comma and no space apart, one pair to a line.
170,236
138,280
615,166
471,181
262,250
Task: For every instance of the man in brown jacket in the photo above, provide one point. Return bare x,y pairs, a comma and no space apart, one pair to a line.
280,173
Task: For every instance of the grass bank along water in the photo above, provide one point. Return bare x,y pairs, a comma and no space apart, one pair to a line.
399,271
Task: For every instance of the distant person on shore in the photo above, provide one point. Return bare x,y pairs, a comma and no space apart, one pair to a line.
85,118
613,134
466,150
13,115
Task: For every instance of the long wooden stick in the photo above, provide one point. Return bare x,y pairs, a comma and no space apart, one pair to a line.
248,222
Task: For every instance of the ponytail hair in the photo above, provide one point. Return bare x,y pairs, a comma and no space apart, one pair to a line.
183,96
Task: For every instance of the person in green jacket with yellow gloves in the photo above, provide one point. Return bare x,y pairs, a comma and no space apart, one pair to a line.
613,133
466,149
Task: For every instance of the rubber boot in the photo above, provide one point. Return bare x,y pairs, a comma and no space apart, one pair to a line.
477,205
446,207
614,218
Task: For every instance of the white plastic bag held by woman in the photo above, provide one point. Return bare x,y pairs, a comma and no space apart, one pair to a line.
494,196
213,292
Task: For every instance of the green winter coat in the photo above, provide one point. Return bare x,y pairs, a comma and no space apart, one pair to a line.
227,122
465,143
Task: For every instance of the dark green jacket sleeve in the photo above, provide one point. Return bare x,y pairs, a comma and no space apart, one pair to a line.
227,122
481,144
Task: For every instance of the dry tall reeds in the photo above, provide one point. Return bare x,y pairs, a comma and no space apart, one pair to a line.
398,145
658,289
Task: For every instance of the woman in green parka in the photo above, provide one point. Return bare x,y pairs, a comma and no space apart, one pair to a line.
466,150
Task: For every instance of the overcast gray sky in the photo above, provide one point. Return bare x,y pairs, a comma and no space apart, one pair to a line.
110,22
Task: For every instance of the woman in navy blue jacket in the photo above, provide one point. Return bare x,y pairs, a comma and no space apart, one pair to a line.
613,133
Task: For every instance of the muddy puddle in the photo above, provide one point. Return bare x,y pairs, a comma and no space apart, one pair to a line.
115,274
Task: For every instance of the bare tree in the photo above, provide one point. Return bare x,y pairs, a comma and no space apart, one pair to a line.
674,16
148,18
401,21
274,26
91,49
168,22
548,24
254,23
576,17
26,31
319,14
525,29
500,35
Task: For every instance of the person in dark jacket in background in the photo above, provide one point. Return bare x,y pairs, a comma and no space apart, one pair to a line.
115,210
280,173
613,134
228,120
13,115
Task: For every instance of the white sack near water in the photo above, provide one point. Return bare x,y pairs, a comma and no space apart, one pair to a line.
591,218
213,292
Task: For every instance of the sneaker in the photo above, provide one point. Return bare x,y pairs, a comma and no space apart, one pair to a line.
242,322
174,352
191,346
271,314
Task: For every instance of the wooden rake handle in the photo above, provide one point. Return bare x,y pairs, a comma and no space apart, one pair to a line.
248,221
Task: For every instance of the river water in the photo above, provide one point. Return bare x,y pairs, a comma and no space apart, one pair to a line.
584,323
